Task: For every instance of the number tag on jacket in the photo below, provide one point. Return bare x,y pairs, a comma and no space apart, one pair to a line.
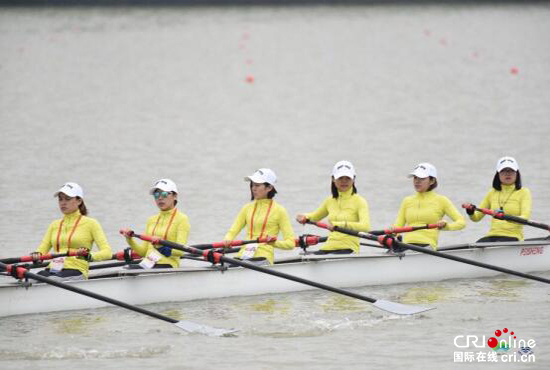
149,261
57,264
249,251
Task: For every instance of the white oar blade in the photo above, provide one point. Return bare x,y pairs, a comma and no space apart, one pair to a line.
400,309
192,327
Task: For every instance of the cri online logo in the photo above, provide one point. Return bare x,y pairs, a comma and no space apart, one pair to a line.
500,345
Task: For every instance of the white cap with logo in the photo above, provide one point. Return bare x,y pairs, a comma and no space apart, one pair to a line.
507,162
164,185
423,170
71,189
343,168
263,175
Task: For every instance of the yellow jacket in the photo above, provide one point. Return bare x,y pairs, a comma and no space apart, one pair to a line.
513,202
347,211
427,208
171,225
82,235
252,218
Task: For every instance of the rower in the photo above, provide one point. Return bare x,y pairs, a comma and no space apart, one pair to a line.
427,207
169,224
345,208
263,217
74,232
508,196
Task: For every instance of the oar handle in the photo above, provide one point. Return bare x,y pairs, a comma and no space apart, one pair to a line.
404,229
500,215
42,257
395,230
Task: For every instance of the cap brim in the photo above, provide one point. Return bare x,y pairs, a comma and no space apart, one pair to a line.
349,174
419,175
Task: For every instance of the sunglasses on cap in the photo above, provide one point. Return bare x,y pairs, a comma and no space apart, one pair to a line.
161,194
343,165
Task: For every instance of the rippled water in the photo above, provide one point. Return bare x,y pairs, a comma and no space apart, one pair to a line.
116,98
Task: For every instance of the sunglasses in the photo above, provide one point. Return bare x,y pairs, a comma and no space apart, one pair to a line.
161,194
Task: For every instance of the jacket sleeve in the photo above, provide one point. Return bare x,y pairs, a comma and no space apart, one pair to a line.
400,220
485,203
319,213
182,235
451,211
363,215
142,248
100,240
238,225
285,228
526,204
46,243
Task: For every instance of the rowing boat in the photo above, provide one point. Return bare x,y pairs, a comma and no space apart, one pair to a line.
199,280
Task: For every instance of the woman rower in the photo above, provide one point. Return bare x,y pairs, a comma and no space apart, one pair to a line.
170,224
262,218
75,232
508,196
345,208
427,207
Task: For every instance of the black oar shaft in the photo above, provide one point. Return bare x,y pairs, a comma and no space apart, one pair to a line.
443,255
267,271
502,216
87,293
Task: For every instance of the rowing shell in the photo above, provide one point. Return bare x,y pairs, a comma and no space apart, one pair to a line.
198,280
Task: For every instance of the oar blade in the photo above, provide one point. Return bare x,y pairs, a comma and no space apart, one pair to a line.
193,327
399,308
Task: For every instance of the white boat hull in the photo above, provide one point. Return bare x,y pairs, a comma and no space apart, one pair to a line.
192,283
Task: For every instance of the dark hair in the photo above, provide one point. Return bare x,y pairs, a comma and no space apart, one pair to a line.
82,207
270,195
497,185
434,185
334,189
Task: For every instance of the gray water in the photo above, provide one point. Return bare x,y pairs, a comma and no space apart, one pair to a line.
117,98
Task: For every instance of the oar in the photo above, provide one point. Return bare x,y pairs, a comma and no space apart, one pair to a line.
43,257
215,257
235,243
501,216
191,327
390,242
399,230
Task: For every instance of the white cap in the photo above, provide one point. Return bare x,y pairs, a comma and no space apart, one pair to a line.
423,170
263,175
164,185
71,189
507,162
343,168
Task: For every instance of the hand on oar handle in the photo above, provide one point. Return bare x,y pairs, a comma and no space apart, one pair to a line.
469,207
35,256
441,224
127,233
301,219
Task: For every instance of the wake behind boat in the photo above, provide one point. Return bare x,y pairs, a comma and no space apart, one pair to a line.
198,280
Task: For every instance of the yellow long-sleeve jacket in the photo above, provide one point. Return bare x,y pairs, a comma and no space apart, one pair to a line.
171,225
252,218
83,232
350,211
513,202
427,208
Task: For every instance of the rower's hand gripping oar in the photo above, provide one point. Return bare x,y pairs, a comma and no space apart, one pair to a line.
500,215
391,242
191,327
215,257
